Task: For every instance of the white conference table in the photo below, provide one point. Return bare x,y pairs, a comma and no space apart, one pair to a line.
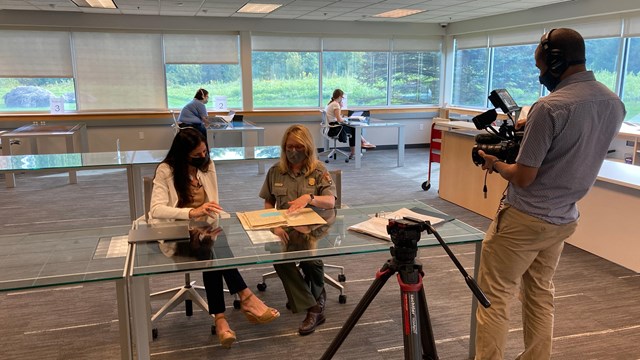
35,131
372,123
132,161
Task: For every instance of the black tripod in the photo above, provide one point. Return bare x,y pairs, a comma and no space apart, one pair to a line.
418,337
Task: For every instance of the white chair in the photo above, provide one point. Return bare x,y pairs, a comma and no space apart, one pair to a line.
187,292
333,151
176,125
336,175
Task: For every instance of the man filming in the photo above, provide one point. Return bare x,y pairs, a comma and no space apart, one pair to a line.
566,138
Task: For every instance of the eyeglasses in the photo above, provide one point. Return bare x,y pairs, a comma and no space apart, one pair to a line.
294,147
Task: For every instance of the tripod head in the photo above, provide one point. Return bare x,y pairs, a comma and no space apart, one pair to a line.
405,234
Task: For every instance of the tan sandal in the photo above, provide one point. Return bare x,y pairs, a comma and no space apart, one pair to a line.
267,316
228,337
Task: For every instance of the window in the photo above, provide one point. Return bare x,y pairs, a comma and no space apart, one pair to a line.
209,61
514,68
35,66
470,77
285,79
362,76
602,59
631,87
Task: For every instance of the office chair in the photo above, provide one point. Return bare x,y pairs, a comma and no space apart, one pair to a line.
187,292
336,175
331,133
176,125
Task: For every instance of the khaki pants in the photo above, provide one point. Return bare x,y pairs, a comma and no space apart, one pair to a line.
519,249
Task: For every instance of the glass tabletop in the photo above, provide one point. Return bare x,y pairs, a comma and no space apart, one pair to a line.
39,130
234,125
120,158
232,246
32,260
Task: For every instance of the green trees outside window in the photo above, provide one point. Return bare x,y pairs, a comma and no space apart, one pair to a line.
183,80
33,94
631,84
470,77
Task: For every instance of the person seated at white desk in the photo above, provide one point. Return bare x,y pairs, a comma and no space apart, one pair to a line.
186,187
332,112
194,114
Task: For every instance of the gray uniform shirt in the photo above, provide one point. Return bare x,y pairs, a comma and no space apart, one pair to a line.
566,137
279,188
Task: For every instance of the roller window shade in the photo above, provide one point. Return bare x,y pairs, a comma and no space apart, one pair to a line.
119,71
516,37
471,41
632,26
45,54
281,43
200,49
355,44
602,28
424,44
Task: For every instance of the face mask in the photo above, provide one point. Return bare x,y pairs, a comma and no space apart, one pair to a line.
206,101
549,81
197,162
295,157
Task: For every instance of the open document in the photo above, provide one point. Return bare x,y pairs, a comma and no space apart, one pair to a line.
270,218
377,225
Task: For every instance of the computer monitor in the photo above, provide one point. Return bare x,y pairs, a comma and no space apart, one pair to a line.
237,118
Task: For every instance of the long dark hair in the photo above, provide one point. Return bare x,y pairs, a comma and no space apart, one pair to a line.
185,141
336,94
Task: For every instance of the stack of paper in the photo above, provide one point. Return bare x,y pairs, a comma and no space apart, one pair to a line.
377,226
270,218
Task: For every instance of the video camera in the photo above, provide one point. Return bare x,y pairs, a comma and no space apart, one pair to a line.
503,143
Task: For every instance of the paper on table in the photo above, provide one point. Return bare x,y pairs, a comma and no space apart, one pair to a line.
270,218
262,236
377,226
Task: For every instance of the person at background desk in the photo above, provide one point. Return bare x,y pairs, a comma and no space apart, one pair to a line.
333,112
566,138
185,187
299,180
194,114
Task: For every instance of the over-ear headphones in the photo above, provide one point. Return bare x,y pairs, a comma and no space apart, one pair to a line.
555,59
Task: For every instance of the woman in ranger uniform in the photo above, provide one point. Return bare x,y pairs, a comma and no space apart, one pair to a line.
299,180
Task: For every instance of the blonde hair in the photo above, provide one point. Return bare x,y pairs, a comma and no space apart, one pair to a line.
301,135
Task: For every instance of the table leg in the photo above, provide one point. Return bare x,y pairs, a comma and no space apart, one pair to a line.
474,303
126,350
358,146
9,177
210,138
140,316
138,191
73,175
260,143
132,193
400,146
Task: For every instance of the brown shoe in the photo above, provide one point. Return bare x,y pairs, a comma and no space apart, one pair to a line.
368,146
311,322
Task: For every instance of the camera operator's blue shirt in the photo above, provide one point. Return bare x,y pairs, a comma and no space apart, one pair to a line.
566,137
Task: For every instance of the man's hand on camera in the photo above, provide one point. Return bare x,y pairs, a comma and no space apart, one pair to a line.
489,161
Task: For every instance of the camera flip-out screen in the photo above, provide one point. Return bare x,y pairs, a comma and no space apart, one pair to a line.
501,98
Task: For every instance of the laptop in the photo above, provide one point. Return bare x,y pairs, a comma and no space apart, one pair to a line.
237,120
358,115
160,232
225,118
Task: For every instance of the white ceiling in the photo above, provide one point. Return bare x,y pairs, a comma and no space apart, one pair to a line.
437,11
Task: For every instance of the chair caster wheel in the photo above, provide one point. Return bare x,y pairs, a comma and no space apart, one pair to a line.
213,329
154,333
262,286
287,306
326,161
342,278
236,304
342,299
426,185
346,160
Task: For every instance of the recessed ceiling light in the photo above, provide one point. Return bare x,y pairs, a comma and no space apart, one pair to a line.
398,13
100,4
258,8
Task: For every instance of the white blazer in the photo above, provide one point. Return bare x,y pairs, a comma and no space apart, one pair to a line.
164,197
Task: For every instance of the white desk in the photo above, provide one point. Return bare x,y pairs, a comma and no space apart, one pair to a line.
243,128
374,124
33,132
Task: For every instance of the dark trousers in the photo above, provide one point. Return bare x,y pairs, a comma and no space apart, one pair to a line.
302,291
215,292
352,132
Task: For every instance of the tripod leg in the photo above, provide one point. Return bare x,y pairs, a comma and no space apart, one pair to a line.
381,278
426,331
